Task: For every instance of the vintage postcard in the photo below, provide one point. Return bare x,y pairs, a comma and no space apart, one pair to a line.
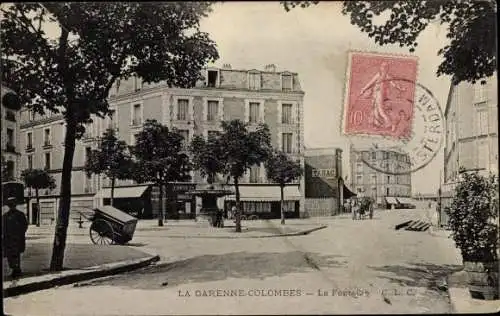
249,158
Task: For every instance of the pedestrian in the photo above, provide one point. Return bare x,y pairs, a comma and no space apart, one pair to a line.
371,209
233,212
14,229
354,209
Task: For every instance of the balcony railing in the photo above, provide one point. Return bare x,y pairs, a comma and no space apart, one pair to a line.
136,122
47,144
30,148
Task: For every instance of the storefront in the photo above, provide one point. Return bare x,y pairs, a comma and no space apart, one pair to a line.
263,201
135,200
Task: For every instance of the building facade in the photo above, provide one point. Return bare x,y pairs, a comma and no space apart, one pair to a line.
11,151
253,96
324,185
471,116
385,188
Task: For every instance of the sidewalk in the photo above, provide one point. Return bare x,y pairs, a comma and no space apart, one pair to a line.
81,261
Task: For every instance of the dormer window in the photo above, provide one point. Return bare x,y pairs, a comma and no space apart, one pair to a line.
286,82
212,78
254,82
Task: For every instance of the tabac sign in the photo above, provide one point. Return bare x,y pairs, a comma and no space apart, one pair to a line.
324,173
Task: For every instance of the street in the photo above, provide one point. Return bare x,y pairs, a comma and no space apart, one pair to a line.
351,266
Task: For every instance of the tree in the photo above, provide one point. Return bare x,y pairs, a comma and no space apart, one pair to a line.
111,159
205,156
469,56
159,158
97,45
282,170
38,179
240,149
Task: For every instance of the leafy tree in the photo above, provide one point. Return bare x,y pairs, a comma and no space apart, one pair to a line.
38,179
98,45
111,159
159,158
282,170
240,149
205,156
469,56
473,217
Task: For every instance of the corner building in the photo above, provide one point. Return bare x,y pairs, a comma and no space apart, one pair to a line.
253,96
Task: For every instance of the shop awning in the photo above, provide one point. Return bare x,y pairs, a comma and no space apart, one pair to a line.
404,200
266,193
348,193
122,192
391,200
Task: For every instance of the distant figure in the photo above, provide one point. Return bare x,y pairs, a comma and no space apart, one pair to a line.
354,209
370,210
14,229
233,212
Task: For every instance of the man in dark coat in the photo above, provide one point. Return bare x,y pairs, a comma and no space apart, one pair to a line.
14,230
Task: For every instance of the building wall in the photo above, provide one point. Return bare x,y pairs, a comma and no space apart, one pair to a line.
471,129
369,182
11,150
159,102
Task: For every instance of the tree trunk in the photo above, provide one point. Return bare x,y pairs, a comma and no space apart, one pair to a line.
160,200
56,263
238,209
112,191
282,205
38,208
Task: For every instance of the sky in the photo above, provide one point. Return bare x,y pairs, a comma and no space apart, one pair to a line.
314,42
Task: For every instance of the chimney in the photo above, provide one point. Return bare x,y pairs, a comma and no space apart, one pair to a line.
270,68
226,66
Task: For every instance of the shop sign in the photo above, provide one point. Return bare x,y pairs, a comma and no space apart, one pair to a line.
324,173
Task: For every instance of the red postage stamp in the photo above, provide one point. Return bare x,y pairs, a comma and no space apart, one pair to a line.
379,97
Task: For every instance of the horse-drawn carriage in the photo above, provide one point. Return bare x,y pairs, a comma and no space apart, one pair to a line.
110,226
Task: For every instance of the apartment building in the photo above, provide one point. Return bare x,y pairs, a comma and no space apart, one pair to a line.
253,96
471,142
385,188
10,134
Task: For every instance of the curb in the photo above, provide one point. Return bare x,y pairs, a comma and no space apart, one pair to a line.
461,300
32,284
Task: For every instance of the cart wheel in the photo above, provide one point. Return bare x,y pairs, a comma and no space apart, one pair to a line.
101,232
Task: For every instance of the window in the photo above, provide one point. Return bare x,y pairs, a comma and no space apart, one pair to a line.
385,155
374,178
213,110
359,178
482,122
88,152
387,191
374,155
257,207
359,166
212,78
46,137
254,174
286,114
29,140
374,191
10,169
211,134
136,115
388,179
254,108
185,135
482,152
286,82
182,109
359,190
480,92
254,81
31,114
30,162
88,130
286,145
47,161
10,137
111,119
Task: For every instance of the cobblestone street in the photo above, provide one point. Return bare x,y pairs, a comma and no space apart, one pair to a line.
349,267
